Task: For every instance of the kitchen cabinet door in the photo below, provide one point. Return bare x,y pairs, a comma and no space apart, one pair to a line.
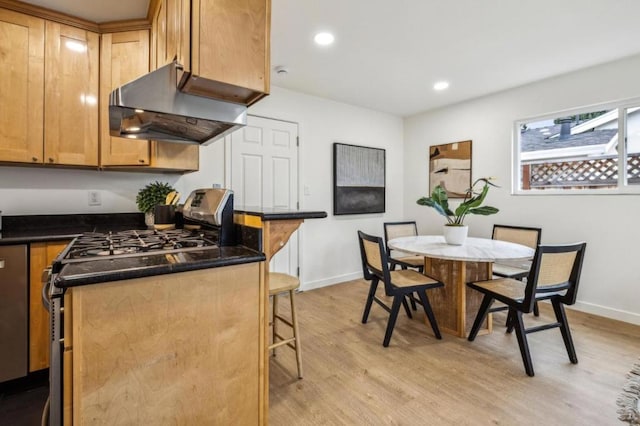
21,87
230,50
159,35
71,96
170,33
169,156
41,255
124,57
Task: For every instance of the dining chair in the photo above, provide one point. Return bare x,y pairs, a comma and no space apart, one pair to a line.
396,230
554,276
403,229
526,236
397,284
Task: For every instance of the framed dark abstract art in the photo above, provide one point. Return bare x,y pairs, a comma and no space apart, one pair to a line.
358,179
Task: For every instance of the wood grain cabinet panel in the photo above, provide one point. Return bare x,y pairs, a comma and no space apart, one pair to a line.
175,156
184,349
21,87
159,35
230,48
71,96
124,57
41,256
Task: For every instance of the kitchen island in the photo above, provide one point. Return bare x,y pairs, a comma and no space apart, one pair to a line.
157,327
182,348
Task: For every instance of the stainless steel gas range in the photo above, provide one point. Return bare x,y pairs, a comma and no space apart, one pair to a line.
95,258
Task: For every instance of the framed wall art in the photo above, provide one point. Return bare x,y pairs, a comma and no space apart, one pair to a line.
450,167
358,179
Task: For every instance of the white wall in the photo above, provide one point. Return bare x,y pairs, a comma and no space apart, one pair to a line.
329,251
32,190
608,223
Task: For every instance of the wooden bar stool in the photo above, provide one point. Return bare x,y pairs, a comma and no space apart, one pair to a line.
278,284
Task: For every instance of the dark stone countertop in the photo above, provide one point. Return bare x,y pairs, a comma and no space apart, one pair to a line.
127,267
38,228
267,213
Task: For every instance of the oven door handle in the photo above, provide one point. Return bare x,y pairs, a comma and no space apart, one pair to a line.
46,285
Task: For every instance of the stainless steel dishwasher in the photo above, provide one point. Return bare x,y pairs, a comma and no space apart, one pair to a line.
14,312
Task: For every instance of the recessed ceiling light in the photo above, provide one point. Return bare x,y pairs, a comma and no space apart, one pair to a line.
441,85
324,39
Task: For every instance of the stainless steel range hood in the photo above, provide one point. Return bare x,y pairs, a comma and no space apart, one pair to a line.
152,107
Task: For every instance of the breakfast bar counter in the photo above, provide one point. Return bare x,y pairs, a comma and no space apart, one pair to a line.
276,225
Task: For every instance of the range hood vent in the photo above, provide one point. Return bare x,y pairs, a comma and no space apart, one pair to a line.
152,107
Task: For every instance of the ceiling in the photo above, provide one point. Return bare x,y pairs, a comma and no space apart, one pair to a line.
388,54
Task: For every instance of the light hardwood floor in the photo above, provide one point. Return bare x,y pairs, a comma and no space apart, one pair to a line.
351,379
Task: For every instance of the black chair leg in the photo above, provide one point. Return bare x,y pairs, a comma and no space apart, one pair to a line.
482,313
370,296
413,302
429,312
521,334
510,324
536,311
561,317
406,307
395,308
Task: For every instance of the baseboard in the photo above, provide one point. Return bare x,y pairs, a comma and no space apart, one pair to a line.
311,285
604,311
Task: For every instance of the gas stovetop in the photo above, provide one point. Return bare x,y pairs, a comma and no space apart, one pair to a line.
114,244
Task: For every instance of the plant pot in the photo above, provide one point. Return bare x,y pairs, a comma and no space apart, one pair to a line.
455,235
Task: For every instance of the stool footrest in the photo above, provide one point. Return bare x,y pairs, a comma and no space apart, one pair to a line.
282,342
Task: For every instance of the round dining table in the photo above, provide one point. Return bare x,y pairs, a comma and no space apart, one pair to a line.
455,305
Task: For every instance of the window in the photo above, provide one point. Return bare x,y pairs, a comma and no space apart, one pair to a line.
579,151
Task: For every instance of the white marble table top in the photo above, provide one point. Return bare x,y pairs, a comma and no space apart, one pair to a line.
474,249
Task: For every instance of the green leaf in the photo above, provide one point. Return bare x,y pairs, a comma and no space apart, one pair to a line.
425,201
440,197
484,210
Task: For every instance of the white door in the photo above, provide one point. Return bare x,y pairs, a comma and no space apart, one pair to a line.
264,173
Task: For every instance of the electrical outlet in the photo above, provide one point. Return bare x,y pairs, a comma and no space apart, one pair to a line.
94,198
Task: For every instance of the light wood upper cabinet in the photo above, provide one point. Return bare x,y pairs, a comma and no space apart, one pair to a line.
55,82
230,49
124,57
170,32
159,36
169,156
21,87
71,96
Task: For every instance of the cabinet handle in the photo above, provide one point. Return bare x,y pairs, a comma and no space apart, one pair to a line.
141,160
46,283
34,158
51,160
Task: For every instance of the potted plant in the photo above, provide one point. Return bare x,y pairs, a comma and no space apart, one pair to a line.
455,231
150,196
